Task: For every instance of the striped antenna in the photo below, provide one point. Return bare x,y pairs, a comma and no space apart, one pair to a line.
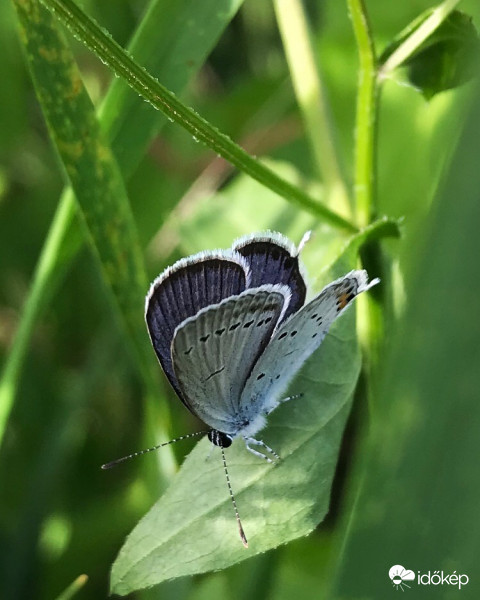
114,463
243,537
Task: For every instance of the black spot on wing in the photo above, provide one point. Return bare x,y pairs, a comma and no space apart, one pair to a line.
215,373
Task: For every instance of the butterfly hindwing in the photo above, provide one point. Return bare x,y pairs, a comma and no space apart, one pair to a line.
214,352
296,339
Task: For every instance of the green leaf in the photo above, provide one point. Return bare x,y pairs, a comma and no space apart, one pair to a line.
418,505
446,59
192,528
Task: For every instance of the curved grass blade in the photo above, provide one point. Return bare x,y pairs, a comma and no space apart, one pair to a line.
172,42
160,98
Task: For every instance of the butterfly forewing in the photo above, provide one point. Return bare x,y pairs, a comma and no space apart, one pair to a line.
295,340
184,289
214,352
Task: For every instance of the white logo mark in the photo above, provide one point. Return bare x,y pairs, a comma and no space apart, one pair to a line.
399,575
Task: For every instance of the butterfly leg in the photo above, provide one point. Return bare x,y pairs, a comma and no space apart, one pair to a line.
253,441
271,408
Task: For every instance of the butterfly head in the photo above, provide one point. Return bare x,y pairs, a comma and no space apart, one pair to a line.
220,439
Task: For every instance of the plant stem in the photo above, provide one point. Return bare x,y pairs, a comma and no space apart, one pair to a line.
159,97
37,298
73,588
293,26
366,115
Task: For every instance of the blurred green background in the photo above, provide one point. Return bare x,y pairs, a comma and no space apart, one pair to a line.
407,485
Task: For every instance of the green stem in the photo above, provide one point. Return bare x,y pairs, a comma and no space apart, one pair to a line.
47,269
370,309
73,588
293,26
159,97
366,115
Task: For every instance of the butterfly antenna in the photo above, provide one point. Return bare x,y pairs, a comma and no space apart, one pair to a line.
114,463
243,537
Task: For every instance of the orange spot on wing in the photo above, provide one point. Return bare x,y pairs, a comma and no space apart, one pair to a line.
342,300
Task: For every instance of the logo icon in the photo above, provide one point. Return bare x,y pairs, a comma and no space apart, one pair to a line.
399,575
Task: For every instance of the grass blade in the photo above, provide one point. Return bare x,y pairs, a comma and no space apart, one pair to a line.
159,97
91,169
292,23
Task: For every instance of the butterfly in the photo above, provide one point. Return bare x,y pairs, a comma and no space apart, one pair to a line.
231,328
